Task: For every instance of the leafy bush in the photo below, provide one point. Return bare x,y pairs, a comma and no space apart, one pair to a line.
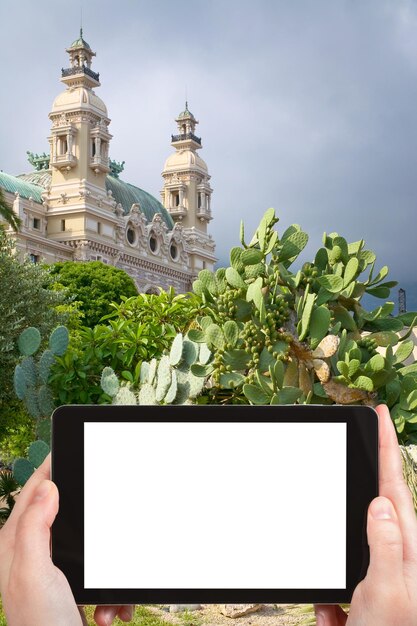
139,328
17,431
25,300
94,285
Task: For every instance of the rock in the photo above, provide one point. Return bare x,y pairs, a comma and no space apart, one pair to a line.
239,610
177,608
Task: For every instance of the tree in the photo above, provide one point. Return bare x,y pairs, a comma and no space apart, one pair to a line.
94,285
7,213
25,300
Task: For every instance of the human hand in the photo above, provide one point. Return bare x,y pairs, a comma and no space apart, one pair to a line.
387,595
34,591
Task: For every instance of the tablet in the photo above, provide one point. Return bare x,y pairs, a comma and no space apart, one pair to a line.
213,504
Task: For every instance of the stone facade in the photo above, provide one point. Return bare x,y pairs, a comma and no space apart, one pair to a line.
74,205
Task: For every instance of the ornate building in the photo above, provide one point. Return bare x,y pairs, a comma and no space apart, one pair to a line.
74,205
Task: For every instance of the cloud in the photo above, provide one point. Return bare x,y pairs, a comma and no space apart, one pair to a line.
306,106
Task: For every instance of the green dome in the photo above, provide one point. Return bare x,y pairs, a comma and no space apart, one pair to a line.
186,113
127,194
34,183
80,42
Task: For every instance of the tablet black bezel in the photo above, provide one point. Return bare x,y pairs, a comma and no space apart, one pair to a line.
67,471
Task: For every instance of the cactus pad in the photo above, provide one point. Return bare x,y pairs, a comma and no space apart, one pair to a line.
109,382
22,470
38,451
58,341
29,341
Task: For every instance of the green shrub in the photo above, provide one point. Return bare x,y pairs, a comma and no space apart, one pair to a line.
25,300
94,285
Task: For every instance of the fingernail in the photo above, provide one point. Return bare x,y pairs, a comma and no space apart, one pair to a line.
320,619
42,490
109,615
381,508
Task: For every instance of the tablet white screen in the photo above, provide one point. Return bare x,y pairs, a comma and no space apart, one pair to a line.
215,505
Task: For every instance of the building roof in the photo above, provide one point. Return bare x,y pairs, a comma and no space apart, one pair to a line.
33,184
80,42
26,188
186,113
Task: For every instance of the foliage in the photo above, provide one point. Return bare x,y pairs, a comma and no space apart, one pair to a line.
8,487
25,300
274,335
169,380
7,213
94,285
139,328
17,431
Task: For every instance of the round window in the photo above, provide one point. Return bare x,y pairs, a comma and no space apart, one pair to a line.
131,236
174,252
153,244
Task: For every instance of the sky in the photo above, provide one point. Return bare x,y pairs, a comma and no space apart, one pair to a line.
307,106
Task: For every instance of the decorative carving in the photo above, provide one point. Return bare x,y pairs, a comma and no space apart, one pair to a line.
81,250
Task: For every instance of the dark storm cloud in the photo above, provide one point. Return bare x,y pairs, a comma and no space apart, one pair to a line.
310,107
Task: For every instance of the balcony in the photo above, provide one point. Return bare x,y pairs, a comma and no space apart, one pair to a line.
204,215
80,69
186,137
99,164
177,212
64,161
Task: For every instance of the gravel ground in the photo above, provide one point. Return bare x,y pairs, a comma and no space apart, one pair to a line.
268,615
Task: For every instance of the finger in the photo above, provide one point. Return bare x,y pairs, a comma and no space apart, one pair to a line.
393,486
43,472
330,615
104,615
385,545
125,613
31,550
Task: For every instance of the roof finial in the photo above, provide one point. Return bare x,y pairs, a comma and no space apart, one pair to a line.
81,20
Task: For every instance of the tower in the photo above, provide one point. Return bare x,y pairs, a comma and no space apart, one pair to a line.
187,192
79,207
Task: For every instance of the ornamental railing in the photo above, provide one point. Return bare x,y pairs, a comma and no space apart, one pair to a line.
81,69
185,136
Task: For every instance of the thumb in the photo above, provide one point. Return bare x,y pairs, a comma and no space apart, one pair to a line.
385,544
33,528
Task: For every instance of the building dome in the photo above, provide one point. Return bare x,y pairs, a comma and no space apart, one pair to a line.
185,159
79,98
80,43
185,114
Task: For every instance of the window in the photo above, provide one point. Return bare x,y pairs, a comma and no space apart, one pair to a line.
177,199
62,225
34,258
199,200
153,244
36,223
131,236
174,252
62,145
99,228
93,148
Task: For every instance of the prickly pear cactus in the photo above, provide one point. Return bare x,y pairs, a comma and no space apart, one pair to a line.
31,377
283,335
169,380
